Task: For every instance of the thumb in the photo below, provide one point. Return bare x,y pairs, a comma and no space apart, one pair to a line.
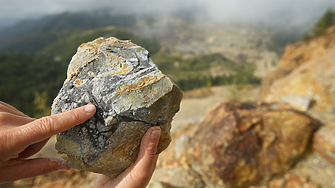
24,168
140,173
148,150
145,164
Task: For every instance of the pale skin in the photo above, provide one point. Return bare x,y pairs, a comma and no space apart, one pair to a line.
22,136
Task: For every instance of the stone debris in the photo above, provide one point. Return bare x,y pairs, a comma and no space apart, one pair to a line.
131,95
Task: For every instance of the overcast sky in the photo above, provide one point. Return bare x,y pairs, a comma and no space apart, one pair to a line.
292,12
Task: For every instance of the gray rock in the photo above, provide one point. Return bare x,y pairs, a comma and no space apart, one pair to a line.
131,95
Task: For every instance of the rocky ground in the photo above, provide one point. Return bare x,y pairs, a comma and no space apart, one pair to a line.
173,168
197,102
305,80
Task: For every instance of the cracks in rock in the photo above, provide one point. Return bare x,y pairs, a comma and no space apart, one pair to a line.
131,119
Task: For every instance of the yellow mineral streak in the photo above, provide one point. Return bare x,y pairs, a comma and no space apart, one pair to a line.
142,83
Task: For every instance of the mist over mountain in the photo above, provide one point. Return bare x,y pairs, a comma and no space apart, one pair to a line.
189,31
285,20
68,21
96,18
5,23
298,13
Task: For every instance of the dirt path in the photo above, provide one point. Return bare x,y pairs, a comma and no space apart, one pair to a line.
194,109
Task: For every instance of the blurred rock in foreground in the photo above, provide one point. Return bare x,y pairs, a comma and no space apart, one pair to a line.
324,142
242,144
305,72
238,145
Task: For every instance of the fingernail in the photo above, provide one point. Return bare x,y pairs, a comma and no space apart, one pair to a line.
90,109
155,133
64,168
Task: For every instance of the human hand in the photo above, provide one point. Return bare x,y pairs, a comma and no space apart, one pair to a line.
22,137
138,175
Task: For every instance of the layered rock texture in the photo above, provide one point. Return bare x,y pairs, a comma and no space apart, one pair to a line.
131,95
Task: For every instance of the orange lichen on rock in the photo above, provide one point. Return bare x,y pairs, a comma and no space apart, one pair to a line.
145,81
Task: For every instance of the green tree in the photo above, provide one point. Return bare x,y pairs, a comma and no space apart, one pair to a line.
29,82
326,21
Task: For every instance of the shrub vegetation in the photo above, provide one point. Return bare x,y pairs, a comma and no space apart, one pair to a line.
326,21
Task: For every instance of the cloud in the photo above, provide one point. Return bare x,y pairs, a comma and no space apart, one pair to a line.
267,11
27,8
242,11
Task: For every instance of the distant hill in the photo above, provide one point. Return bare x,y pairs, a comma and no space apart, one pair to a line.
31,36
205,70
64,48
68,21
240,44
58,36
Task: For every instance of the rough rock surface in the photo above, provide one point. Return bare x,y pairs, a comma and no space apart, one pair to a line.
324,142
241,144
313,81
316,169
293,181
295,56
130,94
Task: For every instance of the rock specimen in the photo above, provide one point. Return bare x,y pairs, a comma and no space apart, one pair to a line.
131,95
242,144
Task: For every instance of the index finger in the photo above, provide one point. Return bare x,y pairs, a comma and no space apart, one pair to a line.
21,137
